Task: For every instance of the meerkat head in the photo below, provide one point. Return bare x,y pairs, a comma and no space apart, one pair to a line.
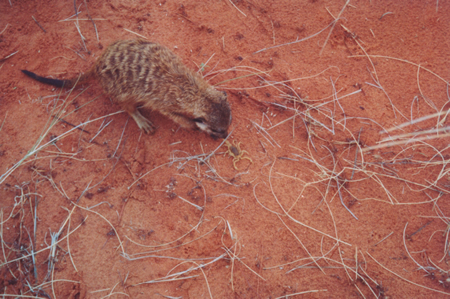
214,117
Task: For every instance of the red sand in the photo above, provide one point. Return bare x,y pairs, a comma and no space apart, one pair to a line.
268,254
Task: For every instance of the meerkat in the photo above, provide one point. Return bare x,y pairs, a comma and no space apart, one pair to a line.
139,73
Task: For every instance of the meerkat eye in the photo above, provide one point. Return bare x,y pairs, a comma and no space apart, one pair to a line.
199,120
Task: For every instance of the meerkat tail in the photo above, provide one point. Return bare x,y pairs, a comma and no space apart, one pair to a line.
56,82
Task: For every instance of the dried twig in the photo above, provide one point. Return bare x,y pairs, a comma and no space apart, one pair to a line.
39,25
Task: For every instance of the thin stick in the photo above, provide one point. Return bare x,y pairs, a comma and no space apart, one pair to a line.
39,25
266,208
407,251
231,1
1,127
405,61
95,19
104,218
4,29
297,41
193,204
301,293
416,284
415,134
92,20
77,25
301,243
181,273
22,296
102,126
206,280
265,131
76,52
70,124
84,191
37,148
417,120
273,32
394,143
131,256
121,136
145,174
3,244
269,83
44,249
6,57
163,280
432,105
295,220
135,33
383,239
377,81
386,13
332,27
317,258
68,245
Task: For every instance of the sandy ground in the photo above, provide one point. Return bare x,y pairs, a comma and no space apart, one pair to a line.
109,212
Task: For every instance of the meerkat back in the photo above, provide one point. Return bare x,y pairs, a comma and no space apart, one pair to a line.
129,68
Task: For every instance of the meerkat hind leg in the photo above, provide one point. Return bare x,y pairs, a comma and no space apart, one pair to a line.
142,122
129,105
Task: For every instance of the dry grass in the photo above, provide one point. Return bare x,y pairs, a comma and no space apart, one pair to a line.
335,168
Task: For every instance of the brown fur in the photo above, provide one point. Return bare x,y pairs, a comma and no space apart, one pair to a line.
144,74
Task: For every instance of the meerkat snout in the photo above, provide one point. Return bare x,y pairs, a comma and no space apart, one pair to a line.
214,118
